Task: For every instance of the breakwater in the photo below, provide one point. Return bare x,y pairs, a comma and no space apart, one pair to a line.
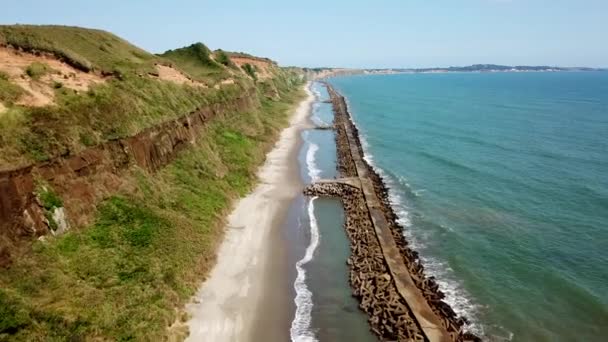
385,274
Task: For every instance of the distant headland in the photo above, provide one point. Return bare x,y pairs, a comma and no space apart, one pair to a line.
327,72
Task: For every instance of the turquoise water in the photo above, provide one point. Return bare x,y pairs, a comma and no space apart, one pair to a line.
502,182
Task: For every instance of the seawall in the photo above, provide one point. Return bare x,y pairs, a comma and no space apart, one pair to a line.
385,274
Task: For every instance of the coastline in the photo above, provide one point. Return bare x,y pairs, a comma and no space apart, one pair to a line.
402,302
232,304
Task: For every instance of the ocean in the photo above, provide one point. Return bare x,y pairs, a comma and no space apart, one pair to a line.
501,180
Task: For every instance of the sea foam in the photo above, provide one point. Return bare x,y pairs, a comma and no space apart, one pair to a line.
300,326
311,161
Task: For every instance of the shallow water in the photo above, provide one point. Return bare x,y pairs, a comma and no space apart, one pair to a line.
325,309
336,315
501,181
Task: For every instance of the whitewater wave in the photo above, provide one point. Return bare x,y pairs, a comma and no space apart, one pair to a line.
455,295
316,90
311,161
300,326
316,119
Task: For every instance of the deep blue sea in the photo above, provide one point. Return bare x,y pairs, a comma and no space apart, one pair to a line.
501,180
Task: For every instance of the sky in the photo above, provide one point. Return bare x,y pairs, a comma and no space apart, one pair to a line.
354,33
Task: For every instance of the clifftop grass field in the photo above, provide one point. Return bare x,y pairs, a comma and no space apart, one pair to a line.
126,99
84,49
128,275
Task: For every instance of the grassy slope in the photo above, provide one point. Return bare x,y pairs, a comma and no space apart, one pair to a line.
85,49
125,104
9,92
123,277
197,61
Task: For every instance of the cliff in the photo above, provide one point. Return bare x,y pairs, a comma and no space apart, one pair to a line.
116,169
84,178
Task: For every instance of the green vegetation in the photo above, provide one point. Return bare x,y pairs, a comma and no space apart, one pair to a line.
250,70
112,110
222,58
36,70
246,55
123,277
50,201
84,49
123,105
197,62
9,92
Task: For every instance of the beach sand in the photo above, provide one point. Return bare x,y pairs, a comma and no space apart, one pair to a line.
247,296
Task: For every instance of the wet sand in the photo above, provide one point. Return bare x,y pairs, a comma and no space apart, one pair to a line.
247,295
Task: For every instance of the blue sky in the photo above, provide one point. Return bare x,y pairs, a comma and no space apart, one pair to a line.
355,33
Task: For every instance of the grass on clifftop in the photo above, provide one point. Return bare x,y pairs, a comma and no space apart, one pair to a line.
127,102
115,109
197,61
148,250
84,49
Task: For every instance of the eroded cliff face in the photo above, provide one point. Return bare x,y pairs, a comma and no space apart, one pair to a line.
82,180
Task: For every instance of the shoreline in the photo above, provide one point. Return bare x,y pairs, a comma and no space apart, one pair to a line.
231,305
402,302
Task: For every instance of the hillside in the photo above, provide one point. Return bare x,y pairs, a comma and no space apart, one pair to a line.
117,167
126,82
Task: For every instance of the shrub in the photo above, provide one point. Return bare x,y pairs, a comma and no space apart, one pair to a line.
87,139
250,70
50,200
222,58
12,315
37,70
198,52
9,92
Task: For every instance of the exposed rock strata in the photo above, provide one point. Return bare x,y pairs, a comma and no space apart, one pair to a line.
85,178
366,262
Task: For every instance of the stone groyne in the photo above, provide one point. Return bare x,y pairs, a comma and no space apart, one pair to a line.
385,274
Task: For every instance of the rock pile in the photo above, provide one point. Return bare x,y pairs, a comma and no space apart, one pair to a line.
390,317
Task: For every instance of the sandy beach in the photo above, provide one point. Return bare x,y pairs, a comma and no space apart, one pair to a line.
230,304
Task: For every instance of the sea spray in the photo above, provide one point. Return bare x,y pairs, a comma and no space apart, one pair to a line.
300,327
